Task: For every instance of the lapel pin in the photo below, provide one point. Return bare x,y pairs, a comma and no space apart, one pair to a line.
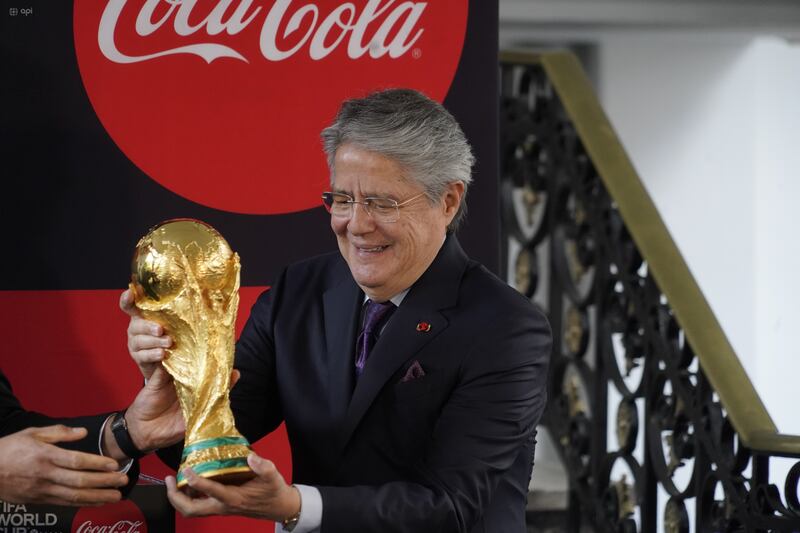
423,326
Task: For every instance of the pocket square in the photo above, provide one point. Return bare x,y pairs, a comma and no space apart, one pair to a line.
415,371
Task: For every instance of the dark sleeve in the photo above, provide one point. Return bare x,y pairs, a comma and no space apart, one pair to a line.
10,409
14,418
254,400
489,417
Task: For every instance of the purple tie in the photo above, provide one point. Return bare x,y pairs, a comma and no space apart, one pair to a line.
373,315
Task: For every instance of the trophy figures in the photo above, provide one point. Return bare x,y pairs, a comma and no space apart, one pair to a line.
186,278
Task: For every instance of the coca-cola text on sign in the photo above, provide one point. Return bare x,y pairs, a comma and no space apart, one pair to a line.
222,101
120,517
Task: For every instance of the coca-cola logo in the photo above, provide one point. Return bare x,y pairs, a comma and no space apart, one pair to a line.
121,517
222,101
120,526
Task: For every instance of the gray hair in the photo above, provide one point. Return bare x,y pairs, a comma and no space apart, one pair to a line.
411,129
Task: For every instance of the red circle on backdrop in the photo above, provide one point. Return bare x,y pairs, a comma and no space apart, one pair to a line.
241,132
122,517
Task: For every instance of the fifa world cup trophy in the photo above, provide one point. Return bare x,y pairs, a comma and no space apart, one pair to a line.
186,278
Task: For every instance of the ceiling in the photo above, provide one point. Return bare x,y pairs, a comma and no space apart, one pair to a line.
775,17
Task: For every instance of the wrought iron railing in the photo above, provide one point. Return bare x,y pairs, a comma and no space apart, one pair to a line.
654,417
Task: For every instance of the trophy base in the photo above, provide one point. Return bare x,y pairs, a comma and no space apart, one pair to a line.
223,460
227,475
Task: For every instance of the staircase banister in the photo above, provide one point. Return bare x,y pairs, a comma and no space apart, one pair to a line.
738,396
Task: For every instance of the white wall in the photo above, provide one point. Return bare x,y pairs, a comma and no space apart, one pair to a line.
777,247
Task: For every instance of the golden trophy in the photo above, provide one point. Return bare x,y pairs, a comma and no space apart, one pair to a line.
186,278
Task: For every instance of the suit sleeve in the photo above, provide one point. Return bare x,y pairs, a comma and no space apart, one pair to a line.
14,418
490,415
254,399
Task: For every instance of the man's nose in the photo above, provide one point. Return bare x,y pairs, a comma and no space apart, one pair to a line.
360,220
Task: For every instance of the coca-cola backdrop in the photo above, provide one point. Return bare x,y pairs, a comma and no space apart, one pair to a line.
118,114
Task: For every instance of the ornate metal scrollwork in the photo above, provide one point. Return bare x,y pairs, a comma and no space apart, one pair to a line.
676,518
673,461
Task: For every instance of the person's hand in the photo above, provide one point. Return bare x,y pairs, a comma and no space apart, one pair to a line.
154,418
33,470
266,496
147,342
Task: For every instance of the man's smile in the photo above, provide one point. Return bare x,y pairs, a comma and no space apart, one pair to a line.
369,250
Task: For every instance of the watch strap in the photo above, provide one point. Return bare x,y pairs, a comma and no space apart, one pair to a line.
119,427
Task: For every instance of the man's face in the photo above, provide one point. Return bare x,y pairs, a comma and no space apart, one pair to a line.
387,258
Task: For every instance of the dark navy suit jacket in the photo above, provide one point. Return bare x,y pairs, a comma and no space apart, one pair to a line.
449,451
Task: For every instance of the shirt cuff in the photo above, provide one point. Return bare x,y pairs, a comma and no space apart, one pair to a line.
310,511
127,465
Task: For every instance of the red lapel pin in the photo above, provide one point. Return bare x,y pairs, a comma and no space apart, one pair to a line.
423,326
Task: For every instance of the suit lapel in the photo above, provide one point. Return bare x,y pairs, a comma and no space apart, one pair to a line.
436,290
341,304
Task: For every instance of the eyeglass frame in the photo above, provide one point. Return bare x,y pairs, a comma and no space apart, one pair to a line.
367,202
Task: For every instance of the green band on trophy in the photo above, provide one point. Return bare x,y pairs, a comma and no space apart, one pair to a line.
210,443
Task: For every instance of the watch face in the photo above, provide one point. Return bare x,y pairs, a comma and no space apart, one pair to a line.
119,423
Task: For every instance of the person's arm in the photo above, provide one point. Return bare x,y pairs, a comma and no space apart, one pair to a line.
20,427
154,420
14,418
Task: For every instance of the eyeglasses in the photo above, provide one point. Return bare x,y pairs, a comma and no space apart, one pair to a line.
385,210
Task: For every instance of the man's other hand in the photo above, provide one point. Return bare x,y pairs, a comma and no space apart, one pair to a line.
266,496
34,470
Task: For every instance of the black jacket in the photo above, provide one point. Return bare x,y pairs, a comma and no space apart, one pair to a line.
448,451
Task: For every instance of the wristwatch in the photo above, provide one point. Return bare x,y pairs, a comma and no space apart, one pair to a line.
290,523
119,427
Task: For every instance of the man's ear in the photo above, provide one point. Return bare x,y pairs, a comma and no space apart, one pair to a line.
452,199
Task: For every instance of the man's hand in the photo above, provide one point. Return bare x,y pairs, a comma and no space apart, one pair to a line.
154,418
147,342
33,470
267,496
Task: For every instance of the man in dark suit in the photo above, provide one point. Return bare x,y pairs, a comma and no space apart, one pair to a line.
410,378
77,461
